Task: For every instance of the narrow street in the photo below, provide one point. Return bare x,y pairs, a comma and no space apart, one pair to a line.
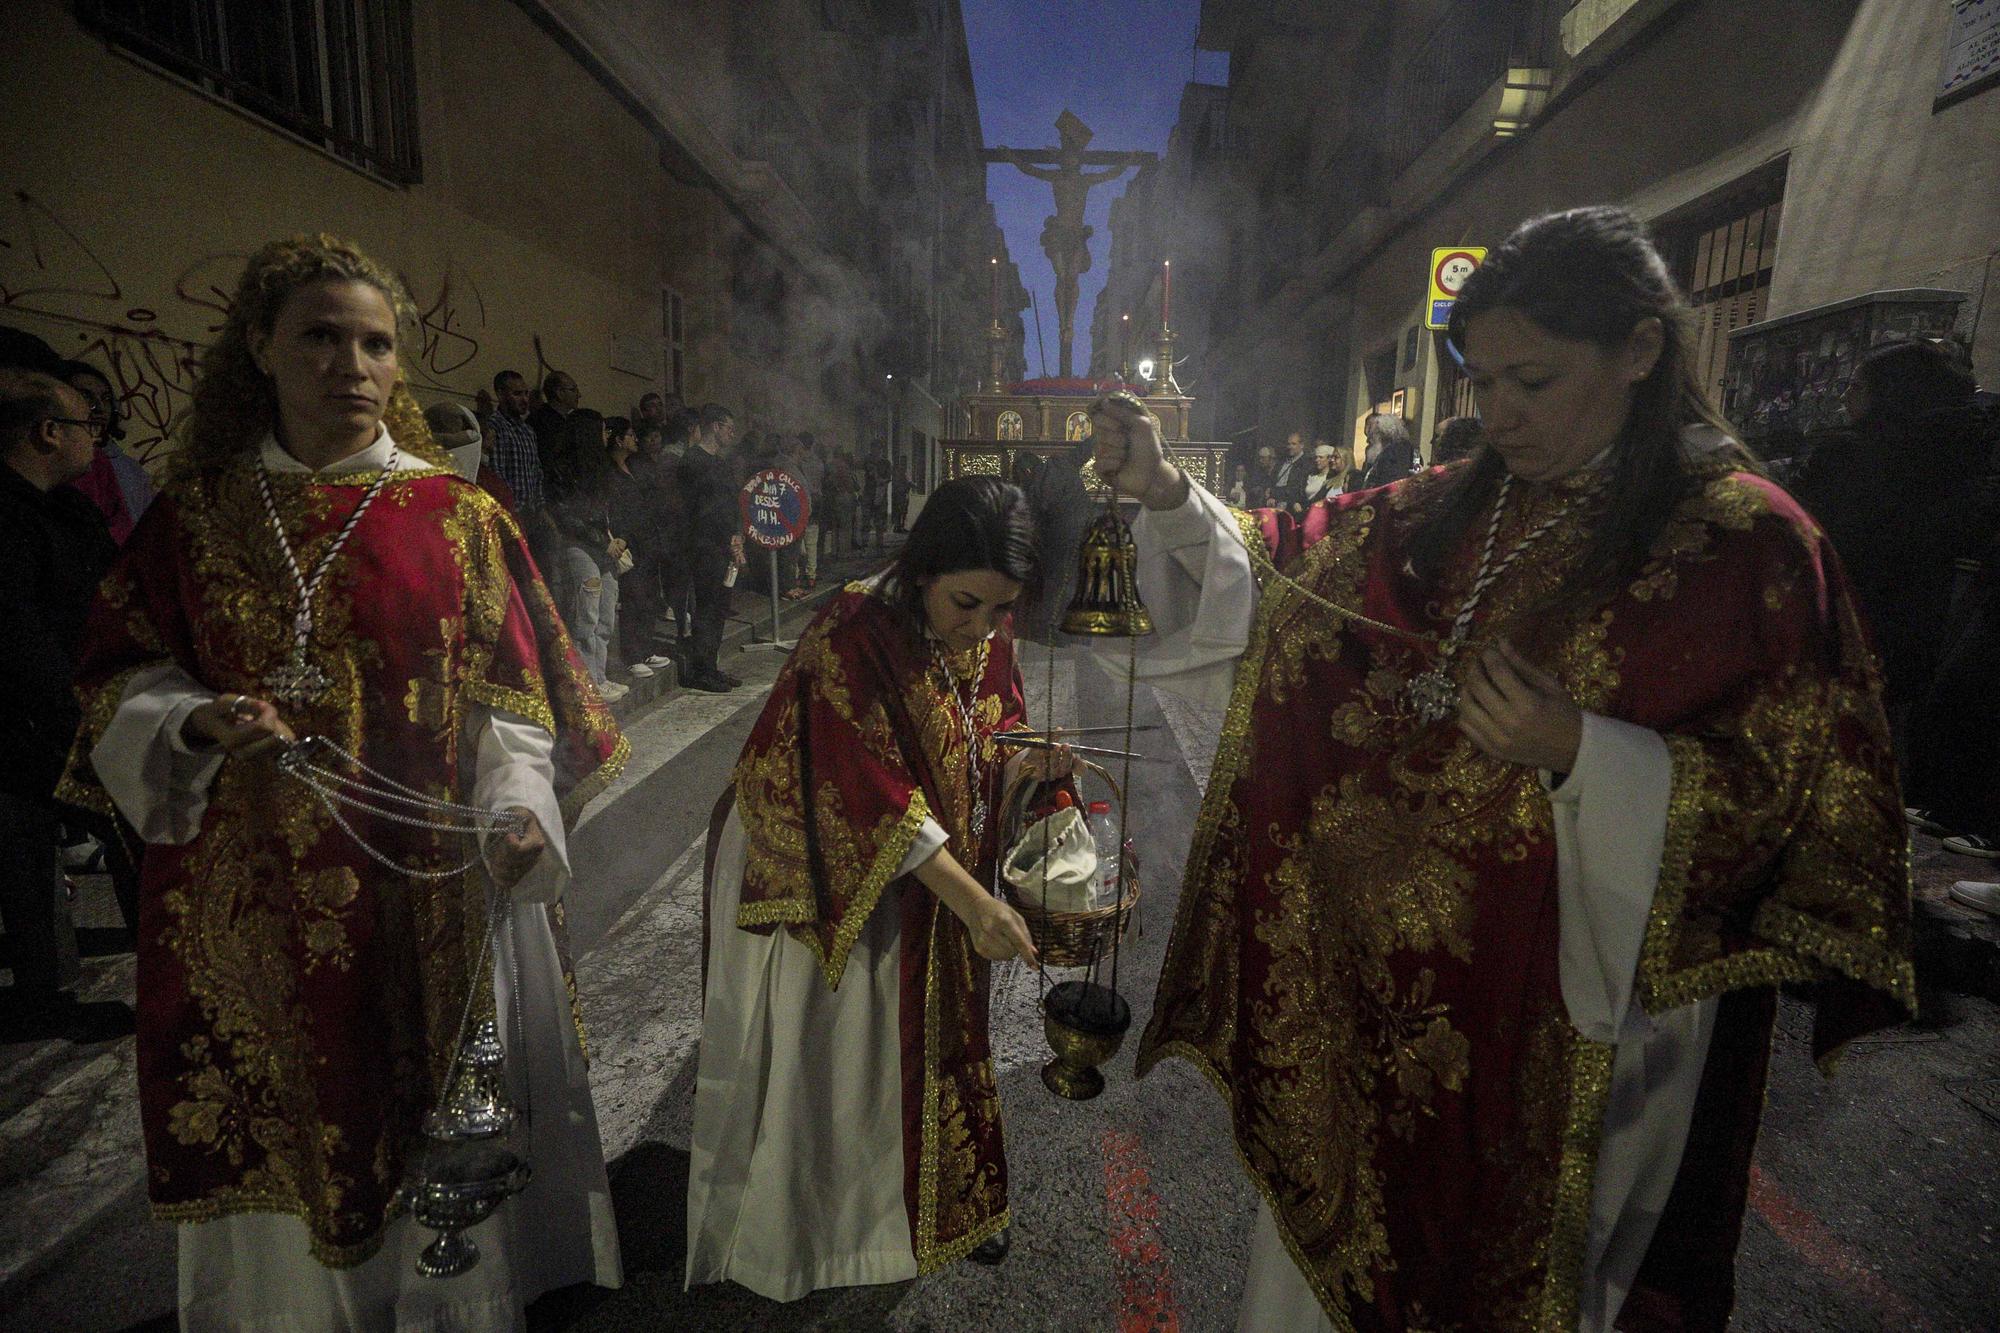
1874,1204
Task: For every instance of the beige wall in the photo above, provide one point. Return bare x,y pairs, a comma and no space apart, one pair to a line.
1880,192
130,207
1885,193
1612,143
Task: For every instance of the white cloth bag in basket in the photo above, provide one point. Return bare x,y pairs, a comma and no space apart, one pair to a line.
1059,851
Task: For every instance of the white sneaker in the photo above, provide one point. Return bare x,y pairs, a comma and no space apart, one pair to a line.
1981,897
659,661
612,691
641,670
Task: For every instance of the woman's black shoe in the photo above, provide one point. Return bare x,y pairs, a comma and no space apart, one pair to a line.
993,1249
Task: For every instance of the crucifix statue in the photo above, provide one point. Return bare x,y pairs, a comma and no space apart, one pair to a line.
1065,238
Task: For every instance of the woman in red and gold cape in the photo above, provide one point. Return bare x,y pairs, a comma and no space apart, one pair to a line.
1540,772
314,566
847,1125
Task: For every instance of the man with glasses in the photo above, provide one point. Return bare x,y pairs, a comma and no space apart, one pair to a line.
54,549
116,482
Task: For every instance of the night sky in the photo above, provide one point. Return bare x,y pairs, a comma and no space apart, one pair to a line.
1121,67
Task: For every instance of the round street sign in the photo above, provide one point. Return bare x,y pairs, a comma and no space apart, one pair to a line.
774,508
1453,267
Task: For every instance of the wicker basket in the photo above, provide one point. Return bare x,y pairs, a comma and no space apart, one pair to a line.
1066,939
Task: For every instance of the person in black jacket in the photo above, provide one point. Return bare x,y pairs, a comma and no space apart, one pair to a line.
54,550
713,536
1392,453
1288,484
639,513
1892,492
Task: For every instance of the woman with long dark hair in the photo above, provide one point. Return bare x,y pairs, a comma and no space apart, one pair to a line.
847,1124
1541,772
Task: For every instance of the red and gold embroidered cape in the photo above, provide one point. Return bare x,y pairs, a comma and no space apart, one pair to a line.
858,743
298,1003
1365,958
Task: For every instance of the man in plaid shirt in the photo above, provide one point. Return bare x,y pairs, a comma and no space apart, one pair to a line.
511,443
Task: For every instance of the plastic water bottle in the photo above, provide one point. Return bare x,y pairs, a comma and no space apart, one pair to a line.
1104,833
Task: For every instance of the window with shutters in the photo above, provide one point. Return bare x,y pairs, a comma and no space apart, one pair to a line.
338,74
1722,256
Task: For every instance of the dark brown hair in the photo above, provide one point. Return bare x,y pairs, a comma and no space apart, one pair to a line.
968,523
1592,275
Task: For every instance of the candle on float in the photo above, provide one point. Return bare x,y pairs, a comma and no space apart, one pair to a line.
1166,291
1124,341
996,289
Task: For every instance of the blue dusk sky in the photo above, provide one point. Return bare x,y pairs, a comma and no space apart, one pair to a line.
1119,66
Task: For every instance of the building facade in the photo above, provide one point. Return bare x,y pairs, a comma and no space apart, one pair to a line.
779,206
1788,154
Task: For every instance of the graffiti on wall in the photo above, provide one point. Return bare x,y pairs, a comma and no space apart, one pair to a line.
50,274
57,286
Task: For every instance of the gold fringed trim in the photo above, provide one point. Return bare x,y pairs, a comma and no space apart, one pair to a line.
1856,959
1576,1174
1803,949
1183,1050
930,1255
98,710
1251,533
522,703
237,1204
938,1256
803,913
593,785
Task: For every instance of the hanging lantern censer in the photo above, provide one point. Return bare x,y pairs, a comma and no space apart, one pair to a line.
1085,1020
468,1170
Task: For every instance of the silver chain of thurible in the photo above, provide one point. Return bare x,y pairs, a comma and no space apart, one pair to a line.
298,681
962,708
392,801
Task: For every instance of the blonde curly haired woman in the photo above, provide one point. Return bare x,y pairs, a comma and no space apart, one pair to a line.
313,566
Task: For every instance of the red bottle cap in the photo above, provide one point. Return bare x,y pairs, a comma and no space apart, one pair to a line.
1100,807
1064,800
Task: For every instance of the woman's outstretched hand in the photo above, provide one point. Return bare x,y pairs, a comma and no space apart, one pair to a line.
1129,452
1518,713
1000,933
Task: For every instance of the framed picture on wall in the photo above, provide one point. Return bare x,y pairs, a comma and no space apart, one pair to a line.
1398,401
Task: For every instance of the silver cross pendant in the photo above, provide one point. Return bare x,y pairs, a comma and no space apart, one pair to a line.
1434,695
299,681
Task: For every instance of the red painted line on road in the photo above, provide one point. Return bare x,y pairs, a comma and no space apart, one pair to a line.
1139,1254
1819,1247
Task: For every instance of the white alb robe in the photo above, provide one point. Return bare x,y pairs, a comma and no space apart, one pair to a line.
795,1172
1610,817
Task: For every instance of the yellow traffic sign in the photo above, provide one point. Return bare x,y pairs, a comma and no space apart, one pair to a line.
1451,265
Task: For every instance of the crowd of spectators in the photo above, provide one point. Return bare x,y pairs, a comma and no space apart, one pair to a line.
1307,476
